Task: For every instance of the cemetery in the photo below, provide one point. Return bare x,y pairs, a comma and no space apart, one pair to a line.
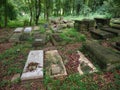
59,53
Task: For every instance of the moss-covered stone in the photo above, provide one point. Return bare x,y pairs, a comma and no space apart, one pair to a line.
99,34
84,25
104,57
112,30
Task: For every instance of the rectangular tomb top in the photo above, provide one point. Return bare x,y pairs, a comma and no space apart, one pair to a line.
28,29
85,65
36,28
55,66
18,30
33,68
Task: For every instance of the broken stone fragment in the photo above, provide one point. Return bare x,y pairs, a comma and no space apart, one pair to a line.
15,77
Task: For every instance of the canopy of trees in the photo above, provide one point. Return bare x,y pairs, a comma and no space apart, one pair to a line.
12,9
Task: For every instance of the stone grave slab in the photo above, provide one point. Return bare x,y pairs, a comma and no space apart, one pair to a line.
102,22
103,56
15,37
34,66
57,40
54,64
85,65
28,30
112,30
18,30
39,39
84,25
99,34
36,28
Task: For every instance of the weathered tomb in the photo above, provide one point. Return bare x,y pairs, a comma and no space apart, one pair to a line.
39,39
28,30
84,25
56,39
85,65
99,34
18,30
33,68
36,28
101,22
15,37
115,23
25,37
112,30
106,58
54,65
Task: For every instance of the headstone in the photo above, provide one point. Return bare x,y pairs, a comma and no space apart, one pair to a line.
85,65
18,30
34,66
28,30
54,65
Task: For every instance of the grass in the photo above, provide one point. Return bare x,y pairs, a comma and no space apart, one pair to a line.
71,35
11,63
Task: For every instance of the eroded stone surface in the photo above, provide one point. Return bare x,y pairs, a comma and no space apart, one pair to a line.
54,64
15,37
18,30
85,65
28,29
34,66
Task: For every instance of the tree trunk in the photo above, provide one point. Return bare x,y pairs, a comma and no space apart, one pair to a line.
5,12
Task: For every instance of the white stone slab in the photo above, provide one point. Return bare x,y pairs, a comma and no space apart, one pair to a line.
87,62
18,30
28,29
35,56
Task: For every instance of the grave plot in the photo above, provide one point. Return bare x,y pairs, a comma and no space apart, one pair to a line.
105,57
101,22
112,30
57,40
84,25
99,34
33,68
54,65
25,37
15,37
85,65
36,28
18,30
28,30
39,39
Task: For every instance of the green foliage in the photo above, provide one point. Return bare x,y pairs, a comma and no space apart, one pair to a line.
71,35
15,23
